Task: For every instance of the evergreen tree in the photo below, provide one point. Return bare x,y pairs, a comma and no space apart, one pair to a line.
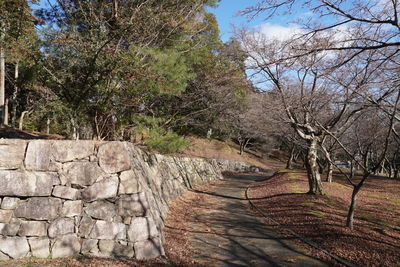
18,42
107,60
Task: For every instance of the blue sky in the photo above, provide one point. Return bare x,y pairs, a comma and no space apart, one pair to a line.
226,17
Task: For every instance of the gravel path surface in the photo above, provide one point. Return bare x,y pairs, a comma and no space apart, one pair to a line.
227,233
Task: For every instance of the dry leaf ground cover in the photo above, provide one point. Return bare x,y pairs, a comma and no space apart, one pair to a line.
375,240
86,262
178,227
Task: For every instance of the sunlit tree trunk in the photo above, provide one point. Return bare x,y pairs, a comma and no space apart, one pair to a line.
329,174
314,177
21,120
350,214
289,163
356,189
15,96
6,111
2,82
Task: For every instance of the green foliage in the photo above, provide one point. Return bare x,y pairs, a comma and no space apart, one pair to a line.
108,71
165,141
158,138
53,111
147,72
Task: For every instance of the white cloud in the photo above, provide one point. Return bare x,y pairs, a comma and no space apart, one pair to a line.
279,32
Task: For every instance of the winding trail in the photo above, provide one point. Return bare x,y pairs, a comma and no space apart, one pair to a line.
227,232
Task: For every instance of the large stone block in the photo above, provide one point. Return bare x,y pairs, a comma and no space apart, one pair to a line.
40,247
114,157
68,150
106,188
129,183
5,216
81,173
148,249
9,203
10,229
85,226
33,228
15,247
38,155
113,249
39,208
142,228
88,245
66,246
14,151
3,257
66,192
61,226
26,184
133,205
108,230
72,208
102,210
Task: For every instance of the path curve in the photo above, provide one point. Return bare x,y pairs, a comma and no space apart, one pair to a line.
227,232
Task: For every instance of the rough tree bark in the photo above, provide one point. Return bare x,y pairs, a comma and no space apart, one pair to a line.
21,119
2,83
289,163
6,111
329,173
356,189
243,142
314,177
15,95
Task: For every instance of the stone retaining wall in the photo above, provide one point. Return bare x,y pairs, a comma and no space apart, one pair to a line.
107,199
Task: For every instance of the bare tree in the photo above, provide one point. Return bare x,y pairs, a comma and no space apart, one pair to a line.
366,144
356,26
252,124
360,43
2,73
310,95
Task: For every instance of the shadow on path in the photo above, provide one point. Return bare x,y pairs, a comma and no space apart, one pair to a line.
227,232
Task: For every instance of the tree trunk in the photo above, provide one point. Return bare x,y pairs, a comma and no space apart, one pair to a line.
21,120
352,169
209,133
6,112
390,171
2,82
115,9
329,174
350,214
296,156
314,177
15,96
241,148
75,131
289,163
243,144
48,126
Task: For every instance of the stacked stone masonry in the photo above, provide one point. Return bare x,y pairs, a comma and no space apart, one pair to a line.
107,199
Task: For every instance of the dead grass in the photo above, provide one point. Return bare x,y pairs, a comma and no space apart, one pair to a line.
12,133
205,148
375,240
178,227
87,262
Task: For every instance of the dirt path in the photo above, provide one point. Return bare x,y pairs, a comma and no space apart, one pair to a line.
227,233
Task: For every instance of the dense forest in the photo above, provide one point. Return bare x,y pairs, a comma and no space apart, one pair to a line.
120,70
156,71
